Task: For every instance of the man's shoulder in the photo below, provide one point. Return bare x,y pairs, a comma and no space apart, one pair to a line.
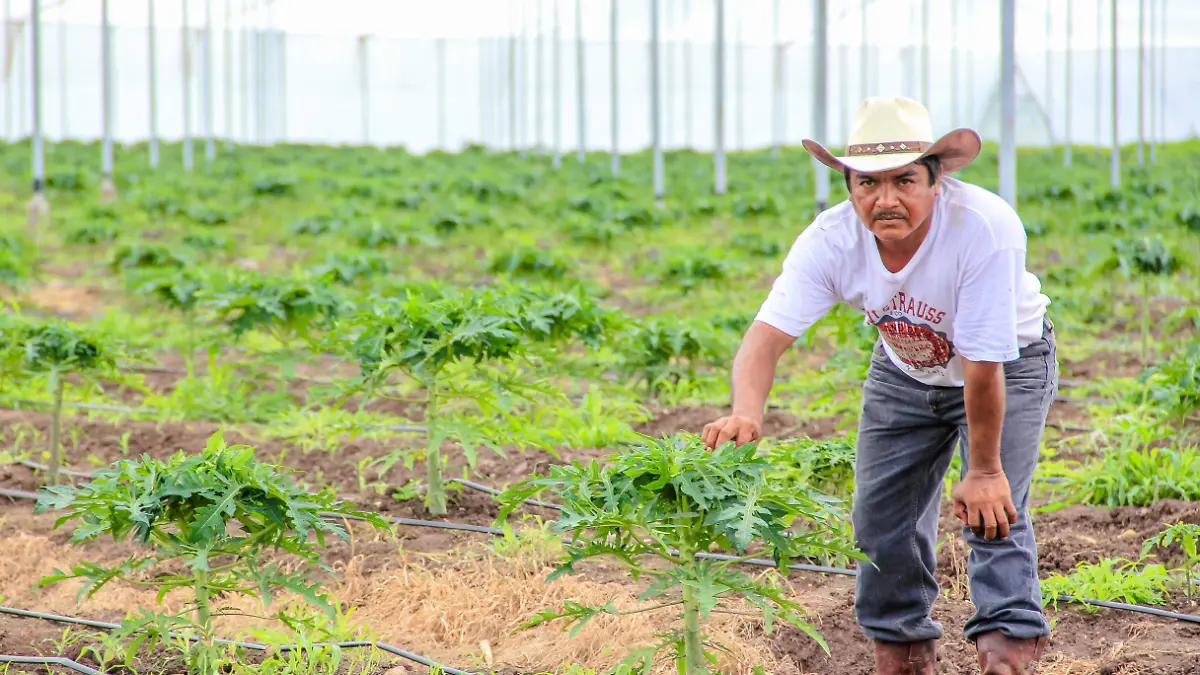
976,207
836,225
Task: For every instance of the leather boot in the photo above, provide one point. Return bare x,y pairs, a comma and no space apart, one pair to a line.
906,658
1002,655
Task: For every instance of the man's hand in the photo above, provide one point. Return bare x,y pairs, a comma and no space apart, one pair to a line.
740,430
983,501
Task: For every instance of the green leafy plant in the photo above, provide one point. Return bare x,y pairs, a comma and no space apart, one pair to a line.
144,254
1188,537
665,350
1143,257
349,267
668,501
529,262
1109,580
180,290
424,336
1174,386
214,522
1135,477
57,349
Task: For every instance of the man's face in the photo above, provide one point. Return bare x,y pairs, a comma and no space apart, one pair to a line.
893,204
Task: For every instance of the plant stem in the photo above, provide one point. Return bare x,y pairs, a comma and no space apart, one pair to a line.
1145,318
204,621
189,357
435,494
56,386
693,642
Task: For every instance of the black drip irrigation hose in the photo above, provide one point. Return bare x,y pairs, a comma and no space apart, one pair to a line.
59,618
759,562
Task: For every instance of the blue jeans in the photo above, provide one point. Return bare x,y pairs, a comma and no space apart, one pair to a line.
906,439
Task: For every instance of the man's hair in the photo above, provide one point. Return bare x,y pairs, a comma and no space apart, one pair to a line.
930,162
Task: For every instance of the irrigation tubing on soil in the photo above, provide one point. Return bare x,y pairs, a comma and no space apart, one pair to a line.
58,618
52,661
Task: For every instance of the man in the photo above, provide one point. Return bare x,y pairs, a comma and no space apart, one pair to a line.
966,356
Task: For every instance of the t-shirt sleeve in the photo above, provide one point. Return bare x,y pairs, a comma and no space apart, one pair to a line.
803,292
985,326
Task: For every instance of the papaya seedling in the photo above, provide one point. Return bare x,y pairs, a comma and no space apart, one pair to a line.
1188,537
665,350
1144,257
58,349
180,290
424,335
215,522
668,501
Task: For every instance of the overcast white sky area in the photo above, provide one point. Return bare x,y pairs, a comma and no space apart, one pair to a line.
894,21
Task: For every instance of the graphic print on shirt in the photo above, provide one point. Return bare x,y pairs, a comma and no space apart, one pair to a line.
907,326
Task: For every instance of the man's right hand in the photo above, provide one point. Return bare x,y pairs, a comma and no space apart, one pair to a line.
740,430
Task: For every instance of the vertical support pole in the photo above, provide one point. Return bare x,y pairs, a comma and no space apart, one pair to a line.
187,91
526,90
1153,90
441,93
612,55
864,57
8,75
1162,71
687,77
1114,176
540,80
228,76
281,80
108,192
954,118
969,65
1141,86
245,66
580,85
1099,72
1067,95
740,93
1049,78
1008,109
925,54
39,209
556,74
62,71
210,144
512,80
485,98
151,31
820,95
719,102
655,105
776,83
364,91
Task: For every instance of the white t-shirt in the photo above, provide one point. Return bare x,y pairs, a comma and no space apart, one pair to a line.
964,294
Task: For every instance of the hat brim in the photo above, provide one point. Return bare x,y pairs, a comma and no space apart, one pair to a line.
955,149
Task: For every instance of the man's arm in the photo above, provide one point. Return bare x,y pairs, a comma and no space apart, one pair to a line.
983,500
751,381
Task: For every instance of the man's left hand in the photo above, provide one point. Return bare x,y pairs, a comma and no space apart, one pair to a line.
983,501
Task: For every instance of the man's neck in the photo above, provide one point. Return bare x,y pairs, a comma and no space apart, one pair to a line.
897,254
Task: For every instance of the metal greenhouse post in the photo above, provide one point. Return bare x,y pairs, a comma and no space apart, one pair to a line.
187,91
8,72
245,67
1153,91
1162,71
539,86
512,80
687,75
62,69
1049,78
39,209
441,92
954,119
580,88
228,75
719,102
776,83
1067,95
1141,87
153,52
612,55
1099,72
820,91
1114,176
108,191
864,72
925,53
740,91
1008,111
210,145
655,105
364,91
556,71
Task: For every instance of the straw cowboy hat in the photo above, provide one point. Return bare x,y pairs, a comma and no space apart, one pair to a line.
889,133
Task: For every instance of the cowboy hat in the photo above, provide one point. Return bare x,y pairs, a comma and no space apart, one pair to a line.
888,133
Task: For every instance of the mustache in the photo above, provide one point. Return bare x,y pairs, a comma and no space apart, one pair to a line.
888,214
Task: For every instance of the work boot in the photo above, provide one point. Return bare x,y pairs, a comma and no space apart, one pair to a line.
1002,655
905,658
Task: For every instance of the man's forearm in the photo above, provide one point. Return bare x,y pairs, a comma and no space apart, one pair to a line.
983,394
754,374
